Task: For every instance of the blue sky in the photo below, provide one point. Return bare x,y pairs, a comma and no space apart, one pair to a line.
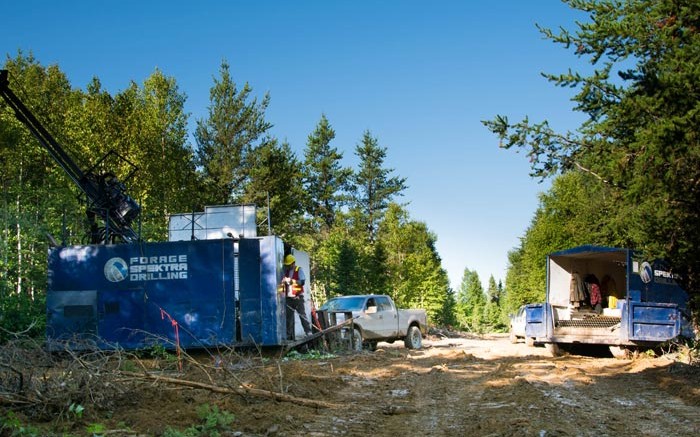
419,75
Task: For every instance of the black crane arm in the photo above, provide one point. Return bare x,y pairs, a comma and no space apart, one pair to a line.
106,195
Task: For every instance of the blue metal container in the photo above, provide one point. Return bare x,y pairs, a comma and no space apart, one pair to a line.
137,295
261,306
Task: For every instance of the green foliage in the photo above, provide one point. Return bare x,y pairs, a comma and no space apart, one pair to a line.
447,314
22,314
166,182
96,429
336,260
213,423
415,274
158,352
275,174
37,197
576,210
12,426
311,354
235,125
373,187
76,411
492,309
325,180
128,366
640,141
471,303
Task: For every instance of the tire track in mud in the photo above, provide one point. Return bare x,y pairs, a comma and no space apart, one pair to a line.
442,399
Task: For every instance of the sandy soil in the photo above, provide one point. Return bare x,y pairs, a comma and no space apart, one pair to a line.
481,386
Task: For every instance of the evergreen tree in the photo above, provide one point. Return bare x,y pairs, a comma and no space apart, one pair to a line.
447,315
275,174
235,125
492,309
471,302
338,259
376,272
413,266
494,291
374,188
576,210
325,180
641,135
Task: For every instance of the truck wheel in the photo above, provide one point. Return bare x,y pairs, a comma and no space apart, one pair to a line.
414,338
357,340
512,337
619,352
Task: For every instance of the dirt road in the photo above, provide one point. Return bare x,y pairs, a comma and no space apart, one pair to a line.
453,387
478,386
489,387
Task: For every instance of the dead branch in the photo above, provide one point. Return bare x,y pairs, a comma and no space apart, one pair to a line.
242,391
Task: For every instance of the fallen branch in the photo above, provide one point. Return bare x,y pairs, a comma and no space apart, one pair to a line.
242,391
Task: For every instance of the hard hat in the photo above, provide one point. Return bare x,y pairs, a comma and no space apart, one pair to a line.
289,259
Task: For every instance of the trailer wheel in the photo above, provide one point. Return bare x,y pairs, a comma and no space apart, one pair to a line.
414,338
619,352
553,349
357,340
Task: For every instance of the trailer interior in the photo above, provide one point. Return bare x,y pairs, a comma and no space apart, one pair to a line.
608,269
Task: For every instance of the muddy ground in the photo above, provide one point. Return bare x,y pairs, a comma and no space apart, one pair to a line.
481,386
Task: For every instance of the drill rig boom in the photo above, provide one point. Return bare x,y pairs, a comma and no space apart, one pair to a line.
106,195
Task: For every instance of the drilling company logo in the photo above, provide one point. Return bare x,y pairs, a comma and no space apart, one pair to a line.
646,273
147,268
116,270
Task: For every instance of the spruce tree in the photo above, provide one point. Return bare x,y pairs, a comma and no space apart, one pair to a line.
235,125
373,185
325,179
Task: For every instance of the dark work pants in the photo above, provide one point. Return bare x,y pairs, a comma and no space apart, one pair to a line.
296,304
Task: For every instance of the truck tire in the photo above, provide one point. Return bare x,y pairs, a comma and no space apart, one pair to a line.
357,340
414,338
619,352
512,337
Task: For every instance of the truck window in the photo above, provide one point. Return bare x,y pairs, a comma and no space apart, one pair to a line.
370,303
383,304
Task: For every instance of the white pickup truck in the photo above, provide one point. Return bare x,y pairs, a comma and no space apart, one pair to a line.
376,318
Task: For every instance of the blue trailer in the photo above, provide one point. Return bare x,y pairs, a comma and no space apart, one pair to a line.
189,294
608,296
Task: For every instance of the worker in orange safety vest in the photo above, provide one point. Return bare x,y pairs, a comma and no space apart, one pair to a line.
292,285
